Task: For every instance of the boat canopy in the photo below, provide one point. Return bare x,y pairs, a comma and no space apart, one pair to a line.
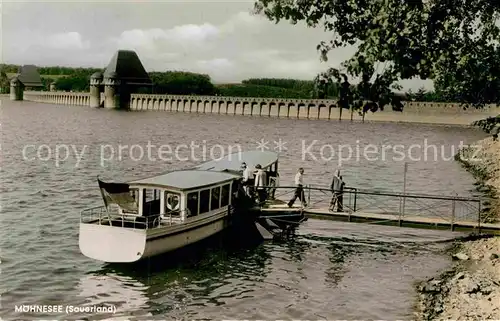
185,179
119,194
232,162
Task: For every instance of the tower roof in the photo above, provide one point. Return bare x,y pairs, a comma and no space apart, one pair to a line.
96,75
127,66
28,75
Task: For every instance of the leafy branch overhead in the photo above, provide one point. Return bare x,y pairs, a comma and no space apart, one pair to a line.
452,42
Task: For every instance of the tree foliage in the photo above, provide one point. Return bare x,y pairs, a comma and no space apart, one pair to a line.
453,42
76,82
181,83
261,91
489,124
53,71
4,82
304,88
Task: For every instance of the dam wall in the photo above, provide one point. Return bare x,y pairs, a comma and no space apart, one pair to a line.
424,112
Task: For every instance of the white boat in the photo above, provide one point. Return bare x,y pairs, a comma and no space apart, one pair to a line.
155,215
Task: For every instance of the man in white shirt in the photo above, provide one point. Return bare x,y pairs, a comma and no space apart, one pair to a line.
247,177
260,183
299,190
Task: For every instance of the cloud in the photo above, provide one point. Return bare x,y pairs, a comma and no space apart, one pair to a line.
244,20
219,69
154,39
221,39
228,51
215,63
66,41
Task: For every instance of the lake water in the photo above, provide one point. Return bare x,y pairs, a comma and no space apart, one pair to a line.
328,270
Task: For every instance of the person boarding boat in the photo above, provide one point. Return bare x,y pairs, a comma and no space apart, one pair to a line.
247,178
260,183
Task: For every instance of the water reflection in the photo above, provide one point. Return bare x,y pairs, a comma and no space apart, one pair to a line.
126,293
193,281
42,264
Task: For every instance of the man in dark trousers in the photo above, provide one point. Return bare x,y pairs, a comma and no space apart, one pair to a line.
299,190
337,188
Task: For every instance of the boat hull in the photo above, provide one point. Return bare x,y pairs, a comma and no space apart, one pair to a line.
178,238
111,244
114,244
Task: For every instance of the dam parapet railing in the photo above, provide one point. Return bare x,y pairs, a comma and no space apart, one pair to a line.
325,109
59,97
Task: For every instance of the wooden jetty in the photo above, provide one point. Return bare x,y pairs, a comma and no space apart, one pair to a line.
277,210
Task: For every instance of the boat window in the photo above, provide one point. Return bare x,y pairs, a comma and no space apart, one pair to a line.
151,202
192,204
215,198
151,195
134,193
204,201
224,195
172,203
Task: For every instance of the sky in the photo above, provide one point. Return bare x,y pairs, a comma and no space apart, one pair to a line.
220,38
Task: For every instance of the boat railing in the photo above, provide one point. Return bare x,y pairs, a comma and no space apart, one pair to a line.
173,217
112,217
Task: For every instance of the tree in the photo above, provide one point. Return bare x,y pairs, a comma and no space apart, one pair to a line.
420,94
4,82
181,83
453,42
76,82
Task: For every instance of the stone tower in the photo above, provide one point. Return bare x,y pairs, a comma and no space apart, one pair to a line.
124,72
96,83
16,89
28,77
112,91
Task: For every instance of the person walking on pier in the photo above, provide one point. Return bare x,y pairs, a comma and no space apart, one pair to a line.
299,189
337,188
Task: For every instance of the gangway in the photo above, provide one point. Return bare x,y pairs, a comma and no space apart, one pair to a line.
456,213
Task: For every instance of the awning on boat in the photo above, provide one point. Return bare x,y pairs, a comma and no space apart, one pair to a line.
119,194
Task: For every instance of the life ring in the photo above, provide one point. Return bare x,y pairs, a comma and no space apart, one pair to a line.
173,203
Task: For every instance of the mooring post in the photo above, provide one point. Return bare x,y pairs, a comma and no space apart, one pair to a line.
355,198
479,218
452,215
402,212
308,194
401,200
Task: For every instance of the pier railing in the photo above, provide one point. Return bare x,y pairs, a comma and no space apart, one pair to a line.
389,205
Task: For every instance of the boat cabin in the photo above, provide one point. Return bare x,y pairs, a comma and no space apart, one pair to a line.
182,195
